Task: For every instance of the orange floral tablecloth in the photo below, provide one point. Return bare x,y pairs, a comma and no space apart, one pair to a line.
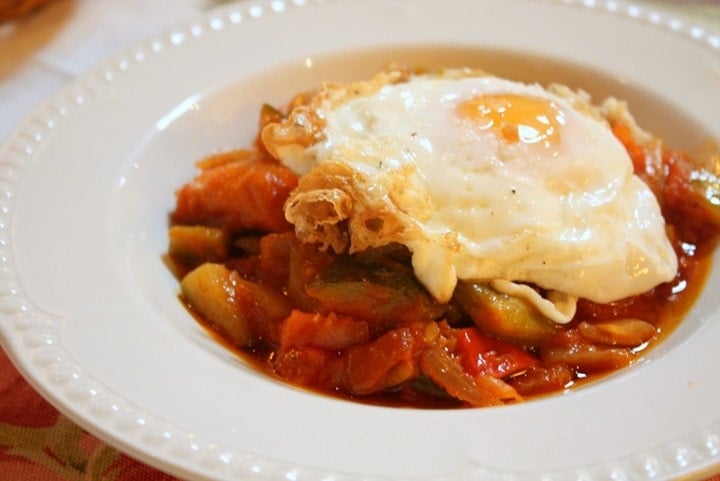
38,56
39,444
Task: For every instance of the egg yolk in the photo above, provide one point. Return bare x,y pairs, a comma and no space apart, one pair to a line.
515,118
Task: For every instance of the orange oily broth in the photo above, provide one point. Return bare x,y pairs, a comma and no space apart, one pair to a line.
665,306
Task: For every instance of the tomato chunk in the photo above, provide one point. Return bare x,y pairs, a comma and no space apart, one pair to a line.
385,362
240,195
329,332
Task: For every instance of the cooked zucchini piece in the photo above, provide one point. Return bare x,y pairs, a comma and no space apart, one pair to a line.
244,312
385,295
502,315
707,185
197,243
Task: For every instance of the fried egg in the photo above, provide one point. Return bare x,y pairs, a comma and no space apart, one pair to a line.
483,179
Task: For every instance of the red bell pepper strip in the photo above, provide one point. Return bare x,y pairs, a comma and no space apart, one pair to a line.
480,354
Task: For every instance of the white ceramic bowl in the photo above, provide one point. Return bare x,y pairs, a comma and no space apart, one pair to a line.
91,315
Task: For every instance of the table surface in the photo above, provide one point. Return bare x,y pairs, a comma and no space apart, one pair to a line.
39,54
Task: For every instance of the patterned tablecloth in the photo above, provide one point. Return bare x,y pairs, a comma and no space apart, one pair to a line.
39,54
